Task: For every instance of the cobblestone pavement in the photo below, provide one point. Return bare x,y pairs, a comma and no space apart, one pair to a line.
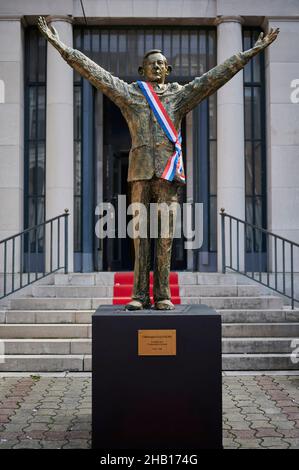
259,411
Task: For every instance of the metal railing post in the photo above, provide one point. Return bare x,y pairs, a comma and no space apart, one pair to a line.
66,241
256,248
25,243
292,276
222,214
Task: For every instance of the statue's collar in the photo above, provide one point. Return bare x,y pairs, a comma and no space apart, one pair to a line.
160,88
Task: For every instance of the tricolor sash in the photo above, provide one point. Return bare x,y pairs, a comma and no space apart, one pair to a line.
174,166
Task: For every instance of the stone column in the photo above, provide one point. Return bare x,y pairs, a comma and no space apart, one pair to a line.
282,112
59,150
11,136
230,138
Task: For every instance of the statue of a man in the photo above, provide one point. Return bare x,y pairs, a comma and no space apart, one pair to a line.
154,111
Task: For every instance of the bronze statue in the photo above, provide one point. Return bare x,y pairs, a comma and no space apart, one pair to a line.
151,148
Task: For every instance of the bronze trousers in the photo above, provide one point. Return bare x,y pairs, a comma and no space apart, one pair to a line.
157,191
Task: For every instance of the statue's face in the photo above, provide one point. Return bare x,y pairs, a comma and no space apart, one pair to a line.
155,68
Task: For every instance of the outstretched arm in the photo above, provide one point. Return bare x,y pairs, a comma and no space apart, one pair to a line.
113,87
202,87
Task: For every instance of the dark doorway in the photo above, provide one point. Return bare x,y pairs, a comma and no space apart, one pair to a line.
118,253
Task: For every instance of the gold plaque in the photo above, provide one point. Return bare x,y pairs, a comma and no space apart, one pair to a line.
156,342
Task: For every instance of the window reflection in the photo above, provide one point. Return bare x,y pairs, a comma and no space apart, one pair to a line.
255,157
35,135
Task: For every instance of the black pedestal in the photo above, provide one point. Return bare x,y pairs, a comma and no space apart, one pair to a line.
156,401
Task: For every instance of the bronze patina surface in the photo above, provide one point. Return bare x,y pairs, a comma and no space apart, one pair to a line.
150,147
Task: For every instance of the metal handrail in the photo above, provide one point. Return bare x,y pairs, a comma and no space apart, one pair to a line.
267,234
21,237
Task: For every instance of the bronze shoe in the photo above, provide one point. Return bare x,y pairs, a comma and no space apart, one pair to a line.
137,305
164,305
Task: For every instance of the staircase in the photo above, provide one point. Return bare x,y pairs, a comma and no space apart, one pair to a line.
48,329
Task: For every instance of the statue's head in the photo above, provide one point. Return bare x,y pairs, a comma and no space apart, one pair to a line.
154,67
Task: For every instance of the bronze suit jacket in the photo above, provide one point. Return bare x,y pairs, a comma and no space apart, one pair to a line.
150,147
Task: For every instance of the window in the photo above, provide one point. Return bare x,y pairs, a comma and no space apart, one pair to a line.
255,151
35,138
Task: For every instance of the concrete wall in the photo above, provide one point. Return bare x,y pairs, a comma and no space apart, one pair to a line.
11,129
282,67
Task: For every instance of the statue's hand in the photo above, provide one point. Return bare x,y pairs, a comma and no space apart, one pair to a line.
50,33
265,41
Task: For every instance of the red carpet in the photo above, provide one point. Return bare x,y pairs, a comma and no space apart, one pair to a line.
123,287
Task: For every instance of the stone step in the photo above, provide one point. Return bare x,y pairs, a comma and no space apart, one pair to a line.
82,362
257,345
83,346
84,316
54,330
54,303
46,363
255,362
46,316
259,316
107,291
47,346
46,303
261,302
85,279
45,331
107,279
81,292
219,291
290,330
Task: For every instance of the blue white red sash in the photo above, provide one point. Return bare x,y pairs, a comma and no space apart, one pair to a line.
174,166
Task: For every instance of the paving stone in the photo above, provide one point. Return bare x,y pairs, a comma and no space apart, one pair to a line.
44,412
28,444
243,434
274,443
226,426
15,427
294,443
289,432
290,409
60,427
8,444
230,444
233,416
55,435
83,426
240,425
272,411
267,432
61,420
250,407
78,435
41,419
247,403
77,444
34,426
283,424
4,419
249,443
262,424
255,417
52,444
